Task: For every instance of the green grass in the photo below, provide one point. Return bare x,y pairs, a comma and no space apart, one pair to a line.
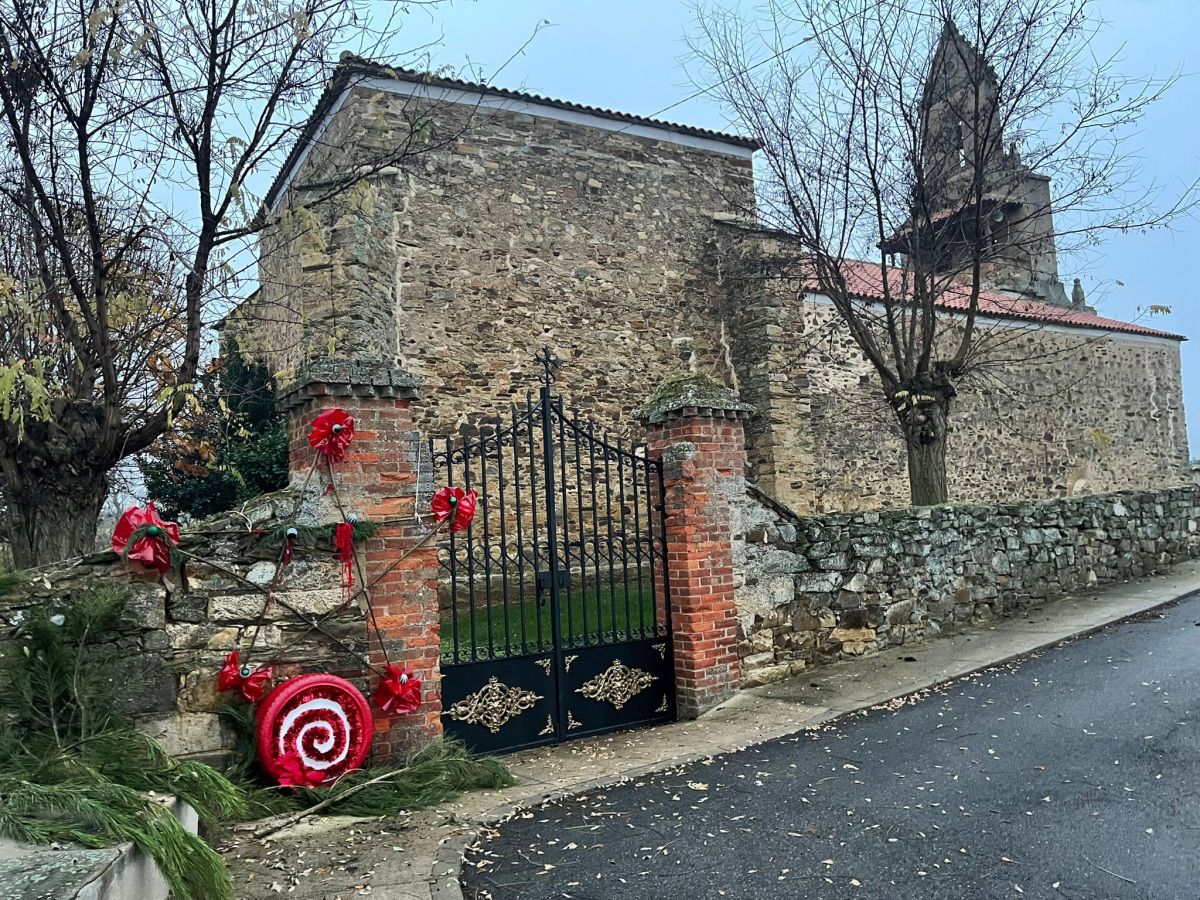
603,600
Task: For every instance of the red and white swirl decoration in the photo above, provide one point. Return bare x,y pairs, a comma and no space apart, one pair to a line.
319,722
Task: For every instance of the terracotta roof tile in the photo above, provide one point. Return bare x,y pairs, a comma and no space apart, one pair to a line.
865,280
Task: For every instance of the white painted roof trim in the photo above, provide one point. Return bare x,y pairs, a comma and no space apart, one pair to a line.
484,100
315,139
1033,325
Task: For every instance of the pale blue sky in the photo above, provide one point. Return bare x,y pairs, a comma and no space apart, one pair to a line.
627,55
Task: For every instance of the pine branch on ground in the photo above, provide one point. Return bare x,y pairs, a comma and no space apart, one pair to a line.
438,772
74,768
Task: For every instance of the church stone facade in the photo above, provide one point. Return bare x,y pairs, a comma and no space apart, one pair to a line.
622,244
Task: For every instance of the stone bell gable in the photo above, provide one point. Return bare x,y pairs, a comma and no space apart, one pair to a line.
629,247
962,124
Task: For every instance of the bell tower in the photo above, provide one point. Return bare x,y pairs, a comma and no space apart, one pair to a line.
963,156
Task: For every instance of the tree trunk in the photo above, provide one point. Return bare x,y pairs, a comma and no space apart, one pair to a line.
925,429
53,518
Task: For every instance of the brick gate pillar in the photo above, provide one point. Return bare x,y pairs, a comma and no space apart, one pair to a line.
694,424
379,481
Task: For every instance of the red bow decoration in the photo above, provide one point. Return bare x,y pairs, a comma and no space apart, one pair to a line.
331,434
235,676
294,773
456,505
150,547
399,691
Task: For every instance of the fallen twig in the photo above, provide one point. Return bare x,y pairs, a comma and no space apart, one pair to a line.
277,824
1111,872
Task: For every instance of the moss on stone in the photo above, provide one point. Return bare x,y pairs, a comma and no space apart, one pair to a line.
690,389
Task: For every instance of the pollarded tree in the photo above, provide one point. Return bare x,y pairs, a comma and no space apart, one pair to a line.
908,154
132,133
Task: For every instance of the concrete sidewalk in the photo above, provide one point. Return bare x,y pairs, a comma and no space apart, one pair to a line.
420,857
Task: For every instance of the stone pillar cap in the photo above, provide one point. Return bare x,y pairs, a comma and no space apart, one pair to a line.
350,378
692,394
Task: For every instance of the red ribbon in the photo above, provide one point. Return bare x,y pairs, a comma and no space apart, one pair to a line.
235,676
293,773
399,691
456,505
151,550
343,542
331,434
289,545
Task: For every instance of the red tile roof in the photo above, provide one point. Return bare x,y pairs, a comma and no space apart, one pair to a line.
865,280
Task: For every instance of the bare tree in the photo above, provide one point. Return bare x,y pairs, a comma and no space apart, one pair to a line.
133,133
909,149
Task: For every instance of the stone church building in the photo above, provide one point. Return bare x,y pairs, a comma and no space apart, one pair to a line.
615,239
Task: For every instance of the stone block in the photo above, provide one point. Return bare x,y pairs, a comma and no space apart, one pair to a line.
817,582
852,635
189,607
183,734
757,660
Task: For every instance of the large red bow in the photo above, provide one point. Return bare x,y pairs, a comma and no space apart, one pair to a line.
456,505
294,773
399,691
151,548
235,676
331,434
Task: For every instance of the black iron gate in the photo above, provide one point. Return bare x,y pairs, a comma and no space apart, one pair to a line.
555,622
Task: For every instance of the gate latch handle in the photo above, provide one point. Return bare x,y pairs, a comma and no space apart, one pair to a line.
544,582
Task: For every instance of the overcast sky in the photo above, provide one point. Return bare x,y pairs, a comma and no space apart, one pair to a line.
628,55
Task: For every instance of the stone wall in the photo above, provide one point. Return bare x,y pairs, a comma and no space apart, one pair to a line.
514,232
1067,412
176,640
1049,411
812,589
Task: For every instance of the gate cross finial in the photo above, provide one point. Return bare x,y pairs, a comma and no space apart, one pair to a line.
550,365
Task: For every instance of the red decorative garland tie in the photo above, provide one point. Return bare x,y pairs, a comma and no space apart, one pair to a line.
293,773
331,434
456,505
399,691
251,683
343,542
150,546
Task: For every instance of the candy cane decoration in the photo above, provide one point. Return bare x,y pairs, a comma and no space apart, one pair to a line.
312,729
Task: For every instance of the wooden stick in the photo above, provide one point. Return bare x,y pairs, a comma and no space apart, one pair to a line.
293,818
1111,872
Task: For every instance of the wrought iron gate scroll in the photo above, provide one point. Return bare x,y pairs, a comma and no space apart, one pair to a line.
555,620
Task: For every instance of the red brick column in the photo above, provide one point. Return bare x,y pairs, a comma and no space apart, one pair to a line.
700,438
379,480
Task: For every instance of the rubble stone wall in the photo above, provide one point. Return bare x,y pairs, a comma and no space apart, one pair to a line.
1046,411
816,588
1051,412
177,638
511,232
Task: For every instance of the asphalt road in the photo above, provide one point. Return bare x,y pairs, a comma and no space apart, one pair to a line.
1072,774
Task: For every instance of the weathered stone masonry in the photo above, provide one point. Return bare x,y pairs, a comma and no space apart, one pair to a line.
179,635
530,222
810,589
516,231
176,640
